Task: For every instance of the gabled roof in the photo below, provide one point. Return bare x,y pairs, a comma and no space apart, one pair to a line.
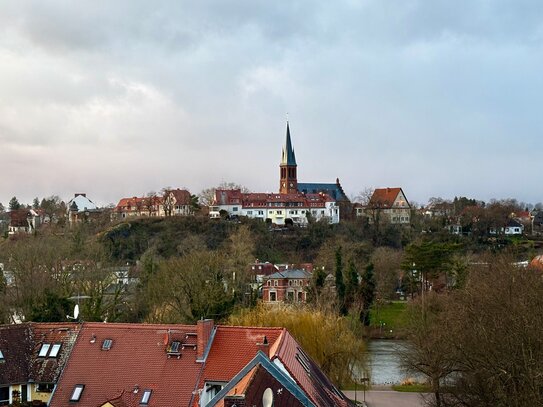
225,358
137,361
242,382
287,155
181,196
16,346
308,375
20,344
335,190
234,347
384,197
48,369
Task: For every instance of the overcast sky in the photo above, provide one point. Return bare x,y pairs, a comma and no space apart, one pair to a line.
120,98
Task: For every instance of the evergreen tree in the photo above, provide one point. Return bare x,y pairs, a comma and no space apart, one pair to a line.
352,286
14,204
340,284
367,293
35,203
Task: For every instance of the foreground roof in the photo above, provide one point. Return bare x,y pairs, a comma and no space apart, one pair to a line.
136,361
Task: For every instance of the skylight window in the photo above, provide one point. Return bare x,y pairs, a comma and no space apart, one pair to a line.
76,394
44,349
106,345
145,397
174,347
54,350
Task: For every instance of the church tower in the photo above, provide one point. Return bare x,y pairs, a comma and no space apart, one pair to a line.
289,182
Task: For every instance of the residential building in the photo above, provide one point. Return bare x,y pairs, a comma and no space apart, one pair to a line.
286,286
177,202
277,208
80,208
23,221
389,205
32,357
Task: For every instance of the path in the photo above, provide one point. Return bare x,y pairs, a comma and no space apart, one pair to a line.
388,398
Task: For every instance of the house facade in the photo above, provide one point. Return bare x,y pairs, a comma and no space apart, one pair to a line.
286,286
389,205
276,208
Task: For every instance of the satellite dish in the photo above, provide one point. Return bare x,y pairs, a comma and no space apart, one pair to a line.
76,311
267,398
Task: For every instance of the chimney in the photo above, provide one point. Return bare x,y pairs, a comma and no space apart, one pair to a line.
264,347
234,401
80,193
204,327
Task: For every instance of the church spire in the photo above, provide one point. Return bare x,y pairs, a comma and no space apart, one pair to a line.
288,157
288,180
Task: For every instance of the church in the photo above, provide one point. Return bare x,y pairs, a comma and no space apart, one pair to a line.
296,203
289,181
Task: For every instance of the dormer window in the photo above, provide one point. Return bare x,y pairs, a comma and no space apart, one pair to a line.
76,394
43,350
106,345
54,350
145,397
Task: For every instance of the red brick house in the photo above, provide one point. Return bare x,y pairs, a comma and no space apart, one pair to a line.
287,285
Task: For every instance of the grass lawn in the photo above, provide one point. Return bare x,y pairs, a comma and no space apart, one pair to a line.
412,388
391,315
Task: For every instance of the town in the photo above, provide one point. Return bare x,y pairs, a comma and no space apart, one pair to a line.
271,204
179,261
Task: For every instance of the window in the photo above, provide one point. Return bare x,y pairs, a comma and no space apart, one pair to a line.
106,345
76,394
1,356
273,296
145,397
249,212
174,347
43,350
45,387
54,350
235,209
4,395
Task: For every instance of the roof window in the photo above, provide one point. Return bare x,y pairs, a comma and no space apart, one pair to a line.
174,347
76,394
106,345
145,397
43,350
54,350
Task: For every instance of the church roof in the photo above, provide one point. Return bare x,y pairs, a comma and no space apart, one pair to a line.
288,157
335,190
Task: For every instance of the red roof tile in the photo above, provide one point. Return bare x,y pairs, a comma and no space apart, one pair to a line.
233,347
137,360
384,197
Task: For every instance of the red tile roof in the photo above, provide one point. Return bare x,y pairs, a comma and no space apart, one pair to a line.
315,383
233,347
384,197
137,360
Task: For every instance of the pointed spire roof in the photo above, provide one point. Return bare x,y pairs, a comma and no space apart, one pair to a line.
288,157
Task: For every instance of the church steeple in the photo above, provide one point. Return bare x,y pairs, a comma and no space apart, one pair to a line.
288,157
288,183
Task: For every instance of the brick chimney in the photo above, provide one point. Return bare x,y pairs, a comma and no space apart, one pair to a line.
264,346
204,327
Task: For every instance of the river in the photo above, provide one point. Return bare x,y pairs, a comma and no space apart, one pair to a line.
384,361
